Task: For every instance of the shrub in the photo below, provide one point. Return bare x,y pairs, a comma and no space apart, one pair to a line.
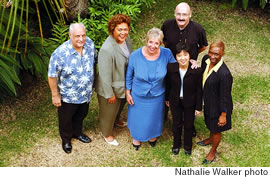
99,14
20,48
246,2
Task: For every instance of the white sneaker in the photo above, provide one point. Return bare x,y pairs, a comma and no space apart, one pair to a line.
114,142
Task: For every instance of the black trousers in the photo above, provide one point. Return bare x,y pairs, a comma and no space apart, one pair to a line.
70,117
182,117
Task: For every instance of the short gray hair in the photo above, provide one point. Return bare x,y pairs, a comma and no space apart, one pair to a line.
72,26
155,33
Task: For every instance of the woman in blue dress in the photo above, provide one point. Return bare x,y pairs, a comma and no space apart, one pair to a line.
145,89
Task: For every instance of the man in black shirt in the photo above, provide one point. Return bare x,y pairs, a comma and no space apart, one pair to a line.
182,29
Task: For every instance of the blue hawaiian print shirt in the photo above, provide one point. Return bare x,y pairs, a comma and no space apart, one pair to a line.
75,73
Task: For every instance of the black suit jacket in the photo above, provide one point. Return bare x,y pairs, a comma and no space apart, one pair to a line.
217,91
192,90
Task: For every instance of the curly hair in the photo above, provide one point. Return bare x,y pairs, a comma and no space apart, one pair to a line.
116,20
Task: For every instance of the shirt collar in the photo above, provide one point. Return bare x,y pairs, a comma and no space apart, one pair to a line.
217,66
71,48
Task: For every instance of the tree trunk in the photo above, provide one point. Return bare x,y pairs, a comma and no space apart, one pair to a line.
74,7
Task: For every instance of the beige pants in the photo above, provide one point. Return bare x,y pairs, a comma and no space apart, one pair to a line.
108,113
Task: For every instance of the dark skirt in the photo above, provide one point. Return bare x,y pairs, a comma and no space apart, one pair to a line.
212,123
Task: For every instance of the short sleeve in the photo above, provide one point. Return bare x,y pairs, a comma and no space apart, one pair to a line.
203,39
53,65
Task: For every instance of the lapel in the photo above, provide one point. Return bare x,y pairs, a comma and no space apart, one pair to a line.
116,46
214,75
189,71
210,78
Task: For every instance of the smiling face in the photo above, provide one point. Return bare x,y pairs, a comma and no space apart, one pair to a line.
77,36
183,59
215,53
153,45
120,33
182,15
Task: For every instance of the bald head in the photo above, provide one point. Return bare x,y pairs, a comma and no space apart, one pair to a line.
182,15
77,34
75,25
183,5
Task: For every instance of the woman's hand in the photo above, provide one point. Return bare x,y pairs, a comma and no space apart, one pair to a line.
129,97
112,100
167,103
222,119
194,63
197,112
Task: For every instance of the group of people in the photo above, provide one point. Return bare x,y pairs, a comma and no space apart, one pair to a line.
150,79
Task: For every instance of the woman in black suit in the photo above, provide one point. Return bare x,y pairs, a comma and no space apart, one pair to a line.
184,97
218,105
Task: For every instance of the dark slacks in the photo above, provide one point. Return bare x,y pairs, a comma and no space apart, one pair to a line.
70,117
182,117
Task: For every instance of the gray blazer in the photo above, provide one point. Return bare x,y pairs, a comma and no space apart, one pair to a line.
112,64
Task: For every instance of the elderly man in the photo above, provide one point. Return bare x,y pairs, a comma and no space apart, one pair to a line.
182,29
71,77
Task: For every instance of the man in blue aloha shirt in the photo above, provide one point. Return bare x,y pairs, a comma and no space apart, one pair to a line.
71,76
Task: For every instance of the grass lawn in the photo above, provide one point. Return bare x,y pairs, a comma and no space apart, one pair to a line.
29,128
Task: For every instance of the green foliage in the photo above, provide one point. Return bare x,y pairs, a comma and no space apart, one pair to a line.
36,59
99,14
60,33
246,2
20,48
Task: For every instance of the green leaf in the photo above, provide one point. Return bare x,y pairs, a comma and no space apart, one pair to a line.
233,3
9,59
7,80
10,71
263,3
245,4
35,59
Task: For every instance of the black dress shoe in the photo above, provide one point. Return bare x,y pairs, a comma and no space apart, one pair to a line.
83,138
136,146
188,152
67,147
175,151
201,143
153,144
205,161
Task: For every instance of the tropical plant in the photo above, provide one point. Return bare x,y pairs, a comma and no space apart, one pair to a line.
245,3
60,32
21,43
99,14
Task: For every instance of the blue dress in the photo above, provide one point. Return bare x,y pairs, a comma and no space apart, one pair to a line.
145,79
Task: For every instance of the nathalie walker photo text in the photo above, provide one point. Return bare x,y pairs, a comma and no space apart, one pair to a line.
221,172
